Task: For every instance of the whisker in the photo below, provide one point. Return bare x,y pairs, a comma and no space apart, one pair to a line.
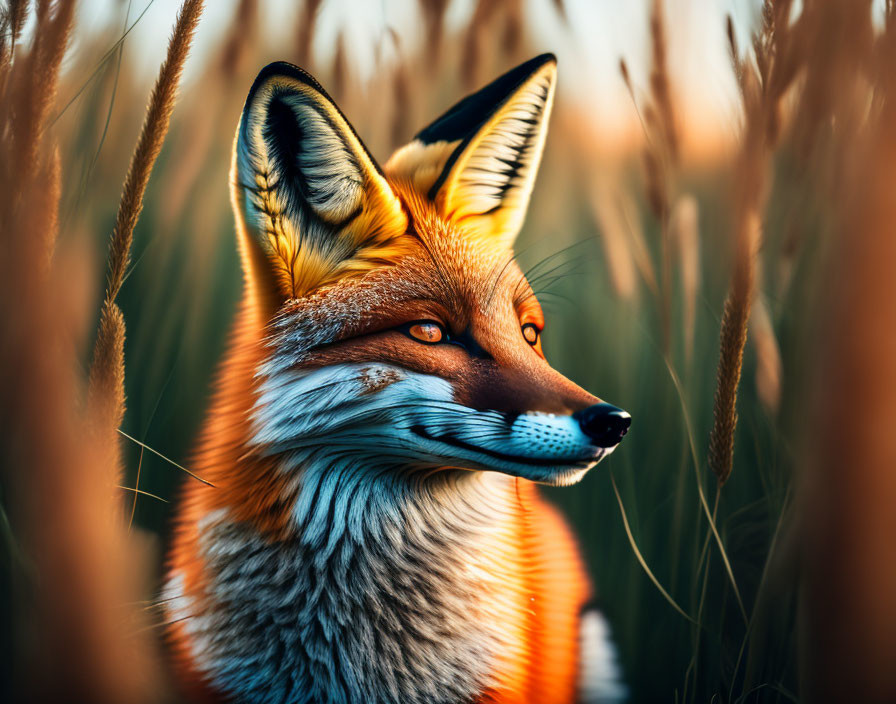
565,250
514,256
553,271
497,279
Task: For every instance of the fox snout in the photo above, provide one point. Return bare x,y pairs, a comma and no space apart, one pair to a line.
536,387
603,423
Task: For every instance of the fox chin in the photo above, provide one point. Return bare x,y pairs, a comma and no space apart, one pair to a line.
383,414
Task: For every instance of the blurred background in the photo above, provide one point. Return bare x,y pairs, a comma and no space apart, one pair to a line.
698,153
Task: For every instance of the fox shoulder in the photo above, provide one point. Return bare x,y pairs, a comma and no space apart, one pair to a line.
568,615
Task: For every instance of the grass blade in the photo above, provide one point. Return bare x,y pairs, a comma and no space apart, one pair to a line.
167,459
640,557
706,510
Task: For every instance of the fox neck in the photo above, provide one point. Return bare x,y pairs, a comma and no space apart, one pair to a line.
399,585
366,504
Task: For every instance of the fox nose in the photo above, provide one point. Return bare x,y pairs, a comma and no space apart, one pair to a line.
603,423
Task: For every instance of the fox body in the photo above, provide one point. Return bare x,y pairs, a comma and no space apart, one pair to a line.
383,414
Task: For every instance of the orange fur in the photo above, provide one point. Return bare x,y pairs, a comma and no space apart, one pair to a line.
540,564
254,494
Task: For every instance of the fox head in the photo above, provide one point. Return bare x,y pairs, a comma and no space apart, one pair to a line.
399,332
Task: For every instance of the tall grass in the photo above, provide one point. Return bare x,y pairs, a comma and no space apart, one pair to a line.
739,308
848,487
106,383
70,569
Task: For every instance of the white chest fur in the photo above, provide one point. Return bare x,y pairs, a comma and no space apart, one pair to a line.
386,594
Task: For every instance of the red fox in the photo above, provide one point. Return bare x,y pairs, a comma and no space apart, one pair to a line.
382,417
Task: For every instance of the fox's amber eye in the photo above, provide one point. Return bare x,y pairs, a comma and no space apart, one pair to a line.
531,333
427,331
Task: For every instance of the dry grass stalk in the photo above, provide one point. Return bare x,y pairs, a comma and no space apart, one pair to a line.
72,640
848,486
192,150
340,68
29,162
627,79
735,317
402,105
106,387
657,186
305,28
12,21
660,155
434,19
752,166
152,137
477,33
774,46
26,102
76,641
50,176
733,337
611,224
660,85
684,232
661,158
619,218
768,355
631,215
512,34
212,97
838,40
560,7
242,31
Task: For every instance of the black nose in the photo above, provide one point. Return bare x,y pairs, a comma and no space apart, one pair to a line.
604,424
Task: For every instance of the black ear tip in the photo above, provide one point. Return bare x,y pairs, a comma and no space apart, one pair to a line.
468,115
527,68
276,68
282,68
279,67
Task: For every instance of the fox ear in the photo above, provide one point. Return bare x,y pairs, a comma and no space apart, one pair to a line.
478,161
311,203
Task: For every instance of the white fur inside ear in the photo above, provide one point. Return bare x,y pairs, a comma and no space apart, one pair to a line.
335,184
420,164
325,174
500,170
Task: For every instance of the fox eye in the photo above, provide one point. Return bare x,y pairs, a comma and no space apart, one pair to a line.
531,333
427,331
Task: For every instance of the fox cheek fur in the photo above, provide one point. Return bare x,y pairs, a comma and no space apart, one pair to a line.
374,533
